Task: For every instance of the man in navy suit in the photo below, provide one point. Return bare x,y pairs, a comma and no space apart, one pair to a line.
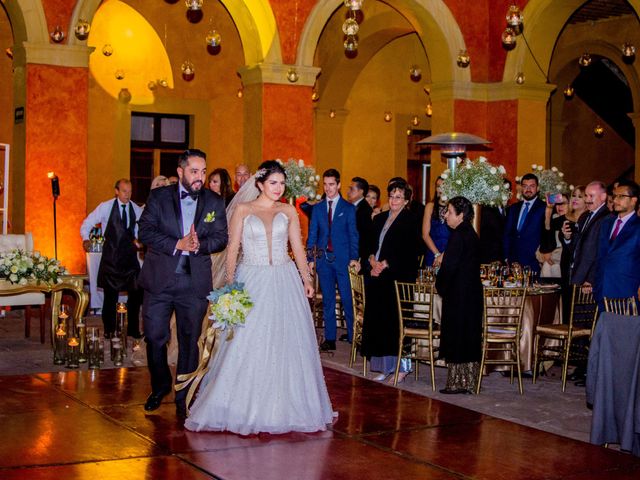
181,226
523,227
617,267
334,236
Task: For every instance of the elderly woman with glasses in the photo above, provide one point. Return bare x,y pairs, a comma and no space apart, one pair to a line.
458,283
396,235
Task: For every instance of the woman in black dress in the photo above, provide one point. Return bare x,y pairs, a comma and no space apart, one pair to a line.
458,283
396,237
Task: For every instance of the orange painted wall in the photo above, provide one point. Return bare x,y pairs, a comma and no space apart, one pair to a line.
56,140
290,17
495,121
58,12
287,122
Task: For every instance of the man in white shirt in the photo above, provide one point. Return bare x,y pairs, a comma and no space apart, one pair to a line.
119,266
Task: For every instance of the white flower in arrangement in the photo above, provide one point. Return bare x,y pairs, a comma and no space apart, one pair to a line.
550,181
571,187
318,196
502,170
13,278
459,160
560,174
559,187
297,178
518,178
302,180
554,169
312,178
505,186
317,178
534,166
301,163
479,181
540,168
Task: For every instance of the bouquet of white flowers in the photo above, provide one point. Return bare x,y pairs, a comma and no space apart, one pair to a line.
302,180
479,182
550,181
229,307
21,267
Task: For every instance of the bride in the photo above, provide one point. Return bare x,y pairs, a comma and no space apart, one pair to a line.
268,378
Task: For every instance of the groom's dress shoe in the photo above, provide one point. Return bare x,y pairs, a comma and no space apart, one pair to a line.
154,400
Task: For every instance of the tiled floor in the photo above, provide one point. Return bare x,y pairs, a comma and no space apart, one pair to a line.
91,425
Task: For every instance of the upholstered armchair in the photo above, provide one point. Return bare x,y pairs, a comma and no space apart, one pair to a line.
23,242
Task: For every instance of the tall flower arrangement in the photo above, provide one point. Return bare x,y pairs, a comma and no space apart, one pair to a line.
478,181
302,180
21,268
550,180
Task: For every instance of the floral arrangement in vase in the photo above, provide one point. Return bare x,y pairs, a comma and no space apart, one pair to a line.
20,267
478,181
550,181
302,180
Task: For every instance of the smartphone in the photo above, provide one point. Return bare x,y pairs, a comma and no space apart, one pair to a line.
553,198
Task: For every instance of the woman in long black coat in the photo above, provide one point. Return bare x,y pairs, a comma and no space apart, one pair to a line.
458,283
394,257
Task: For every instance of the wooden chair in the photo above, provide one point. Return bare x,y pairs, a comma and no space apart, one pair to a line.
415,301
582,320
358,299
29,299
502,326
621,306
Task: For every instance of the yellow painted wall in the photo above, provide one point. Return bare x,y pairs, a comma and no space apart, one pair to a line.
210,97
371,147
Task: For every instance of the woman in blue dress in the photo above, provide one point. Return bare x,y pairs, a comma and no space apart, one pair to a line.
435,231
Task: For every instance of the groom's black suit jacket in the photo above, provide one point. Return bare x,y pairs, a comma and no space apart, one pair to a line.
160,228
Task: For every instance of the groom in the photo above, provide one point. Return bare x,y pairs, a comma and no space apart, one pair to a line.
181,226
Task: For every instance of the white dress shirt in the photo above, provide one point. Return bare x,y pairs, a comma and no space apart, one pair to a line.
101,215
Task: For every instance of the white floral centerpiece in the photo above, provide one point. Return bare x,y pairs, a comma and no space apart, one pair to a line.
302,180
550,181
20,267
478,181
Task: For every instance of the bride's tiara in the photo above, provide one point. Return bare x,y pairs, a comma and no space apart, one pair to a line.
261,173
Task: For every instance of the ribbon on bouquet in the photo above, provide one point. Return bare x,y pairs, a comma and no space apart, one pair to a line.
208,345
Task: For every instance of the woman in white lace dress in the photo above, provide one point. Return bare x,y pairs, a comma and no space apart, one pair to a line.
268,378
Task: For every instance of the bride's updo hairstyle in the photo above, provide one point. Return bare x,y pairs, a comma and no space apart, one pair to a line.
268,168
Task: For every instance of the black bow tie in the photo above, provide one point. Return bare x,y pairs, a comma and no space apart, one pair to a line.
193,195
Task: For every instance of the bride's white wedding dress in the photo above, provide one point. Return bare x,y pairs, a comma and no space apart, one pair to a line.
268,378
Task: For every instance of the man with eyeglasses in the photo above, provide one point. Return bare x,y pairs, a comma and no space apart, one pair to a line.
618,261
333,239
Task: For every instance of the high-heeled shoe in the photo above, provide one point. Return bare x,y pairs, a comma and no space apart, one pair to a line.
380,377
401,377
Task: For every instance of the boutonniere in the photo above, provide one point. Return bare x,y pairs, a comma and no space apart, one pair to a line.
210,217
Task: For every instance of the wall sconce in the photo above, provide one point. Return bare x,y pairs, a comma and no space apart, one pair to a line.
585,60
388,116
57,35
409,131
213,38
514,17
163,82
628,52
292,75
332,113
509,38
188,71
568,92
415,121
598,131
463,60
315,96
152,85
193,5
520,78
240,93
428,109
82,29
415,73
119,74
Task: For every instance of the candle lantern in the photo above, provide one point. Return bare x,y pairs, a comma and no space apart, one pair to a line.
73,353
121,325
81,330
93,347
64,318
60,346
116,351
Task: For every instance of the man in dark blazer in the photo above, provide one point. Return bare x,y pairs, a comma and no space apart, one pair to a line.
617,272
364,223
181,226
583,243
523,226
334,236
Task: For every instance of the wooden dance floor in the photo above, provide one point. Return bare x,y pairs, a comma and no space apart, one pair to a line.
91,425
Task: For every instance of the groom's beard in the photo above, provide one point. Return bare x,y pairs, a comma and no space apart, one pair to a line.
191,187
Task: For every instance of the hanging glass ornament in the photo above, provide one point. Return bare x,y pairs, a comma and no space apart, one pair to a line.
213,38
350,27
188,71
351,43
107,50
514,16
57,35
119,74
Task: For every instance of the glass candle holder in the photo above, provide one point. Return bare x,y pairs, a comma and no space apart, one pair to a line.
81,330
60,347
121,324
73,353
116,352
93,347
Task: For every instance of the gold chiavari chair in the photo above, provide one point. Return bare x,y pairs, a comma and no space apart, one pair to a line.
621,306
502,327
358,300
415,302
582,320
